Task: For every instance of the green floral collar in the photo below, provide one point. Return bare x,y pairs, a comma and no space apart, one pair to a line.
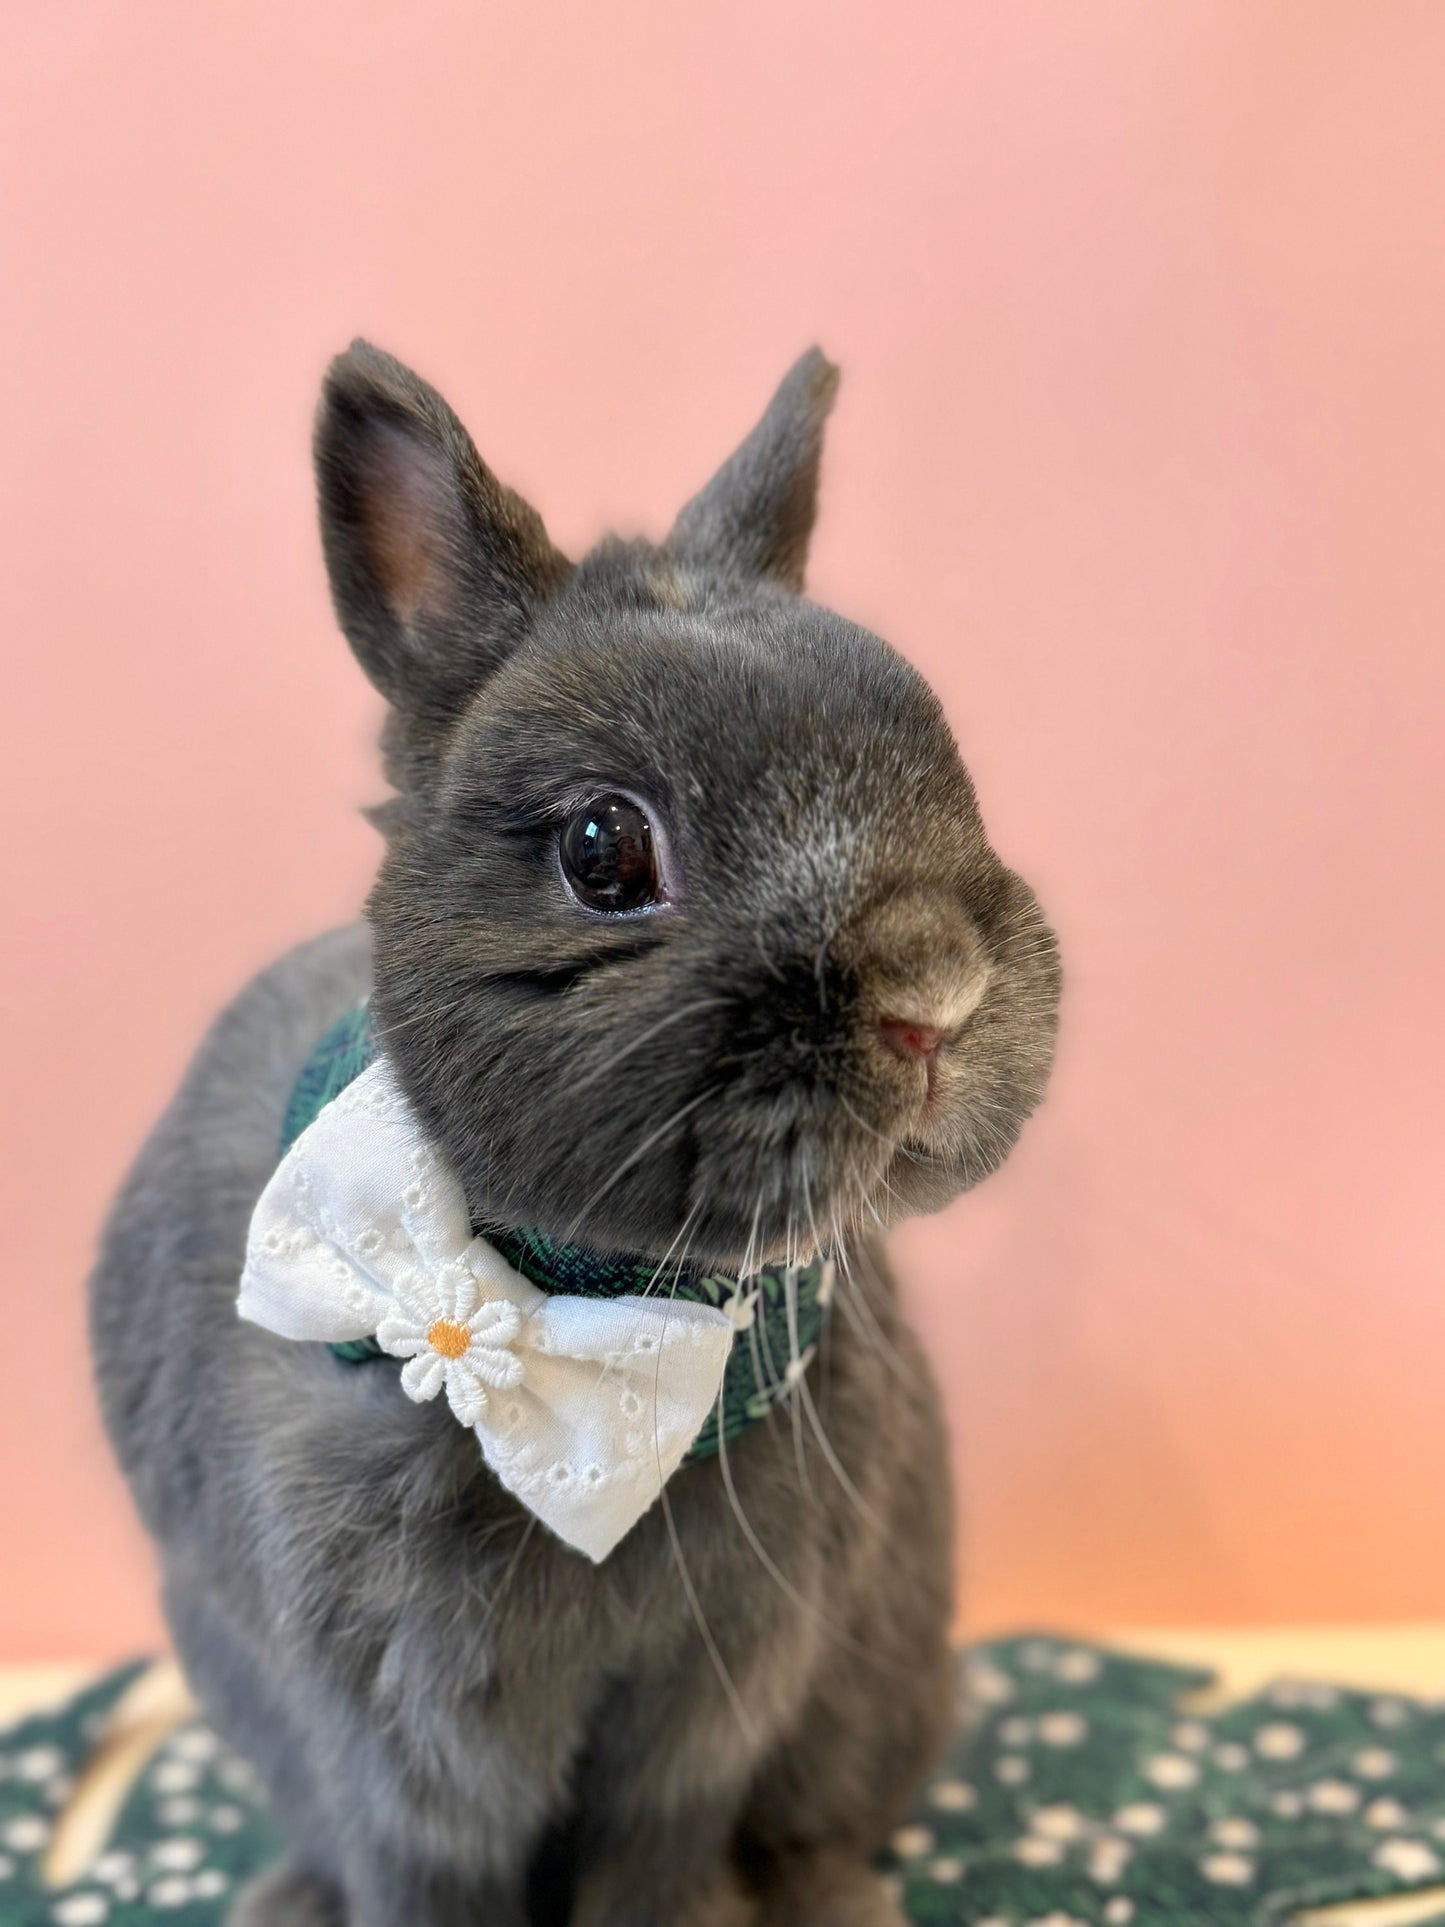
768,1357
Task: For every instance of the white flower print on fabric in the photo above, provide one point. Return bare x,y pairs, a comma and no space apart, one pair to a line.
81,1910
1386,1816
583,1407
1108,1860
1061,1822
1063,1729
1238,1836
1034,1851
1141,1819
1279,1741
909,1843
1077,1668
1227,1869
1332,1796
954,1796
1409,1860
1171,1771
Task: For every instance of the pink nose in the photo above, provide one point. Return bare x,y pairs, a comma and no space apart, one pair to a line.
910,1039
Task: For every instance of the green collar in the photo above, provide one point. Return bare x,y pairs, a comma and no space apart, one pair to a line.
767,1358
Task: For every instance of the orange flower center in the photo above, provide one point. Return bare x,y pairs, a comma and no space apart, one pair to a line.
448,1338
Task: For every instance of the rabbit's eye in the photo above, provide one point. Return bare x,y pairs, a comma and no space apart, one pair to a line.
609,856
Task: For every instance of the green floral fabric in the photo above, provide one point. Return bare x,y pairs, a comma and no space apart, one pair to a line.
192,1830
768,1358
1081,1791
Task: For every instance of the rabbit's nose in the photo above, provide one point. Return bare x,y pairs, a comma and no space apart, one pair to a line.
911,1039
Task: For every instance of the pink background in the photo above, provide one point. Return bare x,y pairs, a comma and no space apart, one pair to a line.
1139,457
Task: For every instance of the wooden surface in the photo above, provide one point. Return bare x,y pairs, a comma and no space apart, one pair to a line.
1405,1659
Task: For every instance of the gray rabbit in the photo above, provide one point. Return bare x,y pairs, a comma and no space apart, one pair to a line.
688,943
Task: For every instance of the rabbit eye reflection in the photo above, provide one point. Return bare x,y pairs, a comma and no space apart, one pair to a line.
609,855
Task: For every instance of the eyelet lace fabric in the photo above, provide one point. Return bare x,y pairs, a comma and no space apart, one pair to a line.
582,1407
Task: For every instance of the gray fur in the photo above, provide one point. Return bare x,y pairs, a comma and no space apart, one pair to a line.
459,1719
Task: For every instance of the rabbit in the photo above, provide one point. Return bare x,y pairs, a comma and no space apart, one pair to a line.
796,998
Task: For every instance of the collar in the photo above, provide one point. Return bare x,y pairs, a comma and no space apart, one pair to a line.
770,1353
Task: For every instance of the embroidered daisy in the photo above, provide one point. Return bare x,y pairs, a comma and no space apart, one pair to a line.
451,1337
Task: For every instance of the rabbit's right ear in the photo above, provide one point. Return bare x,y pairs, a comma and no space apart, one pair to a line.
435,567
756,514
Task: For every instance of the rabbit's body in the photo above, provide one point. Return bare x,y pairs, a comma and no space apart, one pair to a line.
430,1684
460,1719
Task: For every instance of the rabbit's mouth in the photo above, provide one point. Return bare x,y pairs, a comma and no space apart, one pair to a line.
805,1175
814,1166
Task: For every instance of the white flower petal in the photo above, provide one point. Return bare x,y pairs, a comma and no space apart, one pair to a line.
417,1296
423,1377
448,1279
494,1366
497,1322
400,1337
465,1294
466,1395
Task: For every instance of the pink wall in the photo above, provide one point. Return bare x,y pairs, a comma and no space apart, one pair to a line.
1139,456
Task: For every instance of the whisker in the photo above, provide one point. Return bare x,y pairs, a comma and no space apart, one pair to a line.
494,1603
768,963
794,1378
428,1016
687,1224
606,1068
799,1598
714,1651
639,1151
855,1304
749,1270
834,1463
883,1137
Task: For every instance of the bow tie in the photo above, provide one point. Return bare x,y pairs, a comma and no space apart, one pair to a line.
583,1406
771,1351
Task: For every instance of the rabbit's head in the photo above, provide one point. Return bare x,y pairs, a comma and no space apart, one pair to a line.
688,938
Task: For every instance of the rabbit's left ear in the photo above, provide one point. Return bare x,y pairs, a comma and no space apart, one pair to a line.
436,569
756,514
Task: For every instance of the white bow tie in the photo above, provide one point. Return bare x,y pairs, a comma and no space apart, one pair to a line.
583,1407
